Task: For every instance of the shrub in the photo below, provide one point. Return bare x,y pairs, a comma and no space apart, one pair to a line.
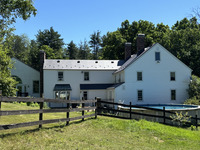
192,101
194,87
181,118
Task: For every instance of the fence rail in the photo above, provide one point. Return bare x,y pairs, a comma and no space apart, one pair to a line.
41,111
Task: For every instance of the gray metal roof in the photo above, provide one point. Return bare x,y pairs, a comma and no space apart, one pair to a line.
59,64
95,86
62,87
99,86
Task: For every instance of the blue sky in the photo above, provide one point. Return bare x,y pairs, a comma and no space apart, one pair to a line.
77,19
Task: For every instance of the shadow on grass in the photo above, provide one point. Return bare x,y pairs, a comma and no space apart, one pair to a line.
44,128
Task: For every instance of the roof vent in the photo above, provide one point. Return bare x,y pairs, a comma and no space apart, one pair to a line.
58,61
96,61
78,61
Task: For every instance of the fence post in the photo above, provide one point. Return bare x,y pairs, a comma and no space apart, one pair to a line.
0,98
130,111
41,114
196,121
96,109
67,122
164,115
98,105
83,105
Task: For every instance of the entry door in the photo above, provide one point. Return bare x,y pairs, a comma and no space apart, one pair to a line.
85,95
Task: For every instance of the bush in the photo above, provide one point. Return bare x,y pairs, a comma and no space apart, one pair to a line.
192,101
194,87
181,118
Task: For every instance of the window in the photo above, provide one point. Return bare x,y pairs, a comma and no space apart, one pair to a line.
119,80
173,94
140,95
139,76
85,94
86,76
157,56
60,76
35,86
17,79
172,76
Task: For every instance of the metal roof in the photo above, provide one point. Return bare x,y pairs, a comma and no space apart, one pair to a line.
62,87
59,64
99,86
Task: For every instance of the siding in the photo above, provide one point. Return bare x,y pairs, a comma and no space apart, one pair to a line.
75,78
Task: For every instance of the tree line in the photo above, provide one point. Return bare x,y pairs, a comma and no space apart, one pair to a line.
182,40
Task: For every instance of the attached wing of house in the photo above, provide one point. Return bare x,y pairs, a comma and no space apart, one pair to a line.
79,79
27,77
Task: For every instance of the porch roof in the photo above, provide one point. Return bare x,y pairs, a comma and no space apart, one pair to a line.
62,87
98,86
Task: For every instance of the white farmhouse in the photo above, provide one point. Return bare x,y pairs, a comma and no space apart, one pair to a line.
152,76
27,77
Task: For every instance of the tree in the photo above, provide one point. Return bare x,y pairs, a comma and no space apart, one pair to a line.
10,10
196,13
19,47
73,50
95,43
7,83
185,44
84,51
49,52
113,46
34,57
52,39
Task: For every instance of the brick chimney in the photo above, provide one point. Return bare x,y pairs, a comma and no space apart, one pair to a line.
42,58
140,43
127,50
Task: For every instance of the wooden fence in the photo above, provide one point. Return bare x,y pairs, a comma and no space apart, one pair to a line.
160,115
112,110
41,111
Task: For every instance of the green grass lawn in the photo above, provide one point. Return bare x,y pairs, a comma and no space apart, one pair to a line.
100,133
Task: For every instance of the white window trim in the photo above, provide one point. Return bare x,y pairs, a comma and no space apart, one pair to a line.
171,95
88,76
142,95
170,76
137,76
61,79
158,61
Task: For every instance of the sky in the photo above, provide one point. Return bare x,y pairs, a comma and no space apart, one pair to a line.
77,19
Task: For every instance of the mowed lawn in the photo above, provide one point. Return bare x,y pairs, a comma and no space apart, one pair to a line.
101,133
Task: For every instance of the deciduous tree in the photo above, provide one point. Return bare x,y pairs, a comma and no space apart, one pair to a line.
10,10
